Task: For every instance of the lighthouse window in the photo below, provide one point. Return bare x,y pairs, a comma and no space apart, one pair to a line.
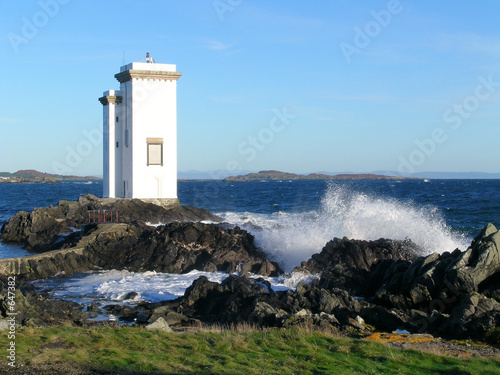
155,151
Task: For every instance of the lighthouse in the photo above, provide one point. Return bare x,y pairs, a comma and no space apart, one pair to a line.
140,133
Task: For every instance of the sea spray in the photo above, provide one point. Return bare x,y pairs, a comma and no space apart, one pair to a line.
290,238
368,217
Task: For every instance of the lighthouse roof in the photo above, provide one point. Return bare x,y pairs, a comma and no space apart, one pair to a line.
149,67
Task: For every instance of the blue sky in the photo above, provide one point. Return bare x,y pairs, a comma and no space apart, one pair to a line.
296,86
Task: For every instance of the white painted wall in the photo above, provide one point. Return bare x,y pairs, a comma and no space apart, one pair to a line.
154,116
125,184
109,138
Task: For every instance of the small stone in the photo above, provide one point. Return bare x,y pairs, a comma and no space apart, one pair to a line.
329,317
360,320
303,313
159,325
354,323
173,318
4,325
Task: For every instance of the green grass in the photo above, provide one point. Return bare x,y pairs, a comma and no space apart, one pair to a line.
249,351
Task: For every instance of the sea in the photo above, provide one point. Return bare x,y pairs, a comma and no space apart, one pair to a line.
290,219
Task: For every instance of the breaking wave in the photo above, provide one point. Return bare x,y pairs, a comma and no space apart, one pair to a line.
293,237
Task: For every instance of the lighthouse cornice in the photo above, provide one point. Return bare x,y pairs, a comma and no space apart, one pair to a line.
128,75
110,99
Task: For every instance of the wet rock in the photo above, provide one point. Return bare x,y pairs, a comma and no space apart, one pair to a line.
94,307
131,296
450,293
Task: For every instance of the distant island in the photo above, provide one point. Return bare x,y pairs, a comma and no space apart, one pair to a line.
32,176
277,175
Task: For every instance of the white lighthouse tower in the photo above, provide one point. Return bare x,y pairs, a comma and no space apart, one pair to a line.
140,133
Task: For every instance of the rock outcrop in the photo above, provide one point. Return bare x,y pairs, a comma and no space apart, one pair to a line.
454,295
33,308
173,248
348,264
240,299
42,228
179,248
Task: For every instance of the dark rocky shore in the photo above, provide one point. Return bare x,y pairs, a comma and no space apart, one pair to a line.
364,286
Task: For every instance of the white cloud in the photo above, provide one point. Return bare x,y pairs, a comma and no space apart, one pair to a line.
358,98
230,99
216,45
6,120
469,43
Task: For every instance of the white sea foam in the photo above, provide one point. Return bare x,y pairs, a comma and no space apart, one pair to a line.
293,237
290,280
115,286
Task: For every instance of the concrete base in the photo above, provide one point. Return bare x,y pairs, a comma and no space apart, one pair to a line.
163,202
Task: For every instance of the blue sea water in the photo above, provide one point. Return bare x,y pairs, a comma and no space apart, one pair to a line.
291,220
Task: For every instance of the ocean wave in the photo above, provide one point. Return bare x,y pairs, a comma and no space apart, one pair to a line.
290,238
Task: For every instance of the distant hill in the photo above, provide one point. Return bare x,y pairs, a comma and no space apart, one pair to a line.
277,175
218,174
31,175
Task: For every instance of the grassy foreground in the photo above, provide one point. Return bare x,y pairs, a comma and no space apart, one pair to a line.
130,350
